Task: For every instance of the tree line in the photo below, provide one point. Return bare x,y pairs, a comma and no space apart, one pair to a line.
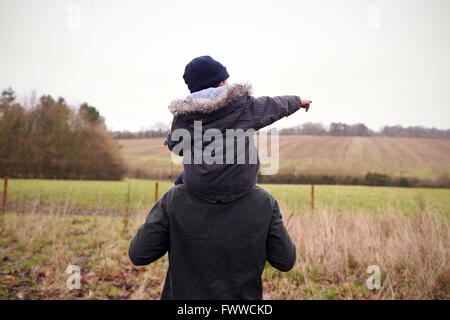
157,132
315,129
49,139
359,129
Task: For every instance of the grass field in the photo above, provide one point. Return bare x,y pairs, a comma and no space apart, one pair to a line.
354,156
53,224
111,197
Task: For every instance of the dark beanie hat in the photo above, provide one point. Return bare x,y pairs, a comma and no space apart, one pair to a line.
204,72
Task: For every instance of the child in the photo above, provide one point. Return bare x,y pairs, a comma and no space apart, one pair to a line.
221,106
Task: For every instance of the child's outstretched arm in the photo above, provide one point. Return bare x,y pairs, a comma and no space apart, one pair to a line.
266,110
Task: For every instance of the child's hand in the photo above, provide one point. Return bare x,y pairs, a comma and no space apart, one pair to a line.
306,104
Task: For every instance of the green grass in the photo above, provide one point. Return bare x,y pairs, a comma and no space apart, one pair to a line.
111,196
362,198
83,195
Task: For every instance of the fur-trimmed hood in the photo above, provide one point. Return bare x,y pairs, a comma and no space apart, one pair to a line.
193,104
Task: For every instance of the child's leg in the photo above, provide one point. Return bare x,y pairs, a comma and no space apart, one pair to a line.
179,179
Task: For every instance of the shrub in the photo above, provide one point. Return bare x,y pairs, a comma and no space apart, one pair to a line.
377,179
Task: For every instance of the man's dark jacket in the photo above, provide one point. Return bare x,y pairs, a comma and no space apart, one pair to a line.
216,251
235,108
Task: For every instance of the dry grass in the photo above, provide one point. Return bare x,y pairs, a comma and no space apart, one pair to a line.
37,248
334,251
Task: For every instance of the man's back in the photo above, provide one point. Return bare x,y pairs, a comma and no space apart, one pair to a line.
216,251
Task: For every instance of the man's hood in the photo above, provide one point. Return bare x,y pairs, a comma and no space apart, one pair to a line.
210,99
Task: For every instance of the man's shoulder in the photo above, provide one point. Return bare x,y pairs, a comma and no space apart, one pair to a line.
181,192
176,189
261,193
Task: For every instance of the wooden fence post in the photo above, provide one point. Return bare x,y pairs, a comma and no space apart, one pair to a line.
128,196
127,214
312,198
156,192
5,194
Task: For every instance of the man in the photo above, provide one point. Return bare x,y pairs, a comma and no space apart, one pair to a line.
216,250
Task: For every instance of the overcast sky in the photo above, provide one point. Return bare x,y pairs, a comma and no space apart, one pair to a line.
377,62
